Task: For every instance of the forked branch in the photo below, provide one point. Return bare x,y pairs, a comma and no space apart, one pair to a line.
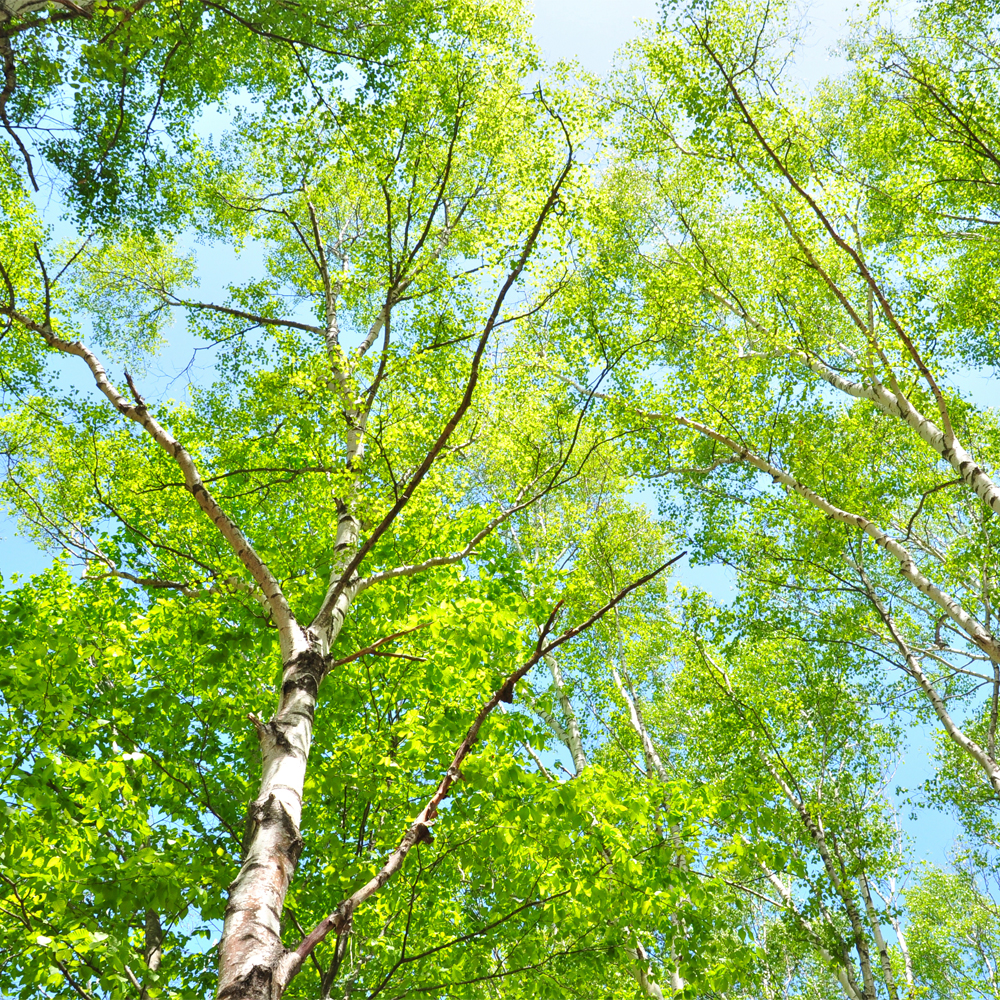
348,577
137,411
419,830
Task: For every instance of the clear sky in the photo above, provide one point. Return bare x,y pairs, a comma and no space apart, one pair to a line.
593,30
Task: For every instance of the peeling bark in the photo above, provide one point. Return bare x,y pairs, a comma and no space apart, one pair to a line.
251,950
251,939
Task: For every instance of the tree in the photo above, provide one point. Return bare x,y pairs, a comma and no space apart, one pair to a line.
330,503
779,291
954,932
395,530
109,95
805,276
803,764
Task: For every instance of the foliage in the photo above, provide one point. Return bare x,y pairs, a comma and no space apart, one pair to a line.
358,667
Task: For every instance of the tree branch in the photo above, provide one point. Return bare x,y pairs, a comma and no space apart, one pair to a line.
972,627
288,629
419,830
348,576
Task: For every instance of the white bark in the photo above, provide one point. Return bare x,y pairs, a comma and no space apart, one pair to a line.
876,926
641,972
638,726
894,403
654,763
973,628
551,722
340,593
970,625
961,739
908,568
965,465
842,977
829,864
898,405
251,939
907,961
818,837
253,965
573,738
251,948
419,830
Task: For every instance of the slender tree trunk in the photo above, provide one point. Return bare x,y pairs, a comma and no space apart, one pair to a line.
641,972
907,961
841,968
873,919
574,738
654,764
854,917
653,761
153,946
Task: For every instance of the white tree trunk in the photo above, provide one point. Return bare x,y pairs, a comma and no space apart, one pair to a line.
876,926
14,8
573,738
251,945
251,940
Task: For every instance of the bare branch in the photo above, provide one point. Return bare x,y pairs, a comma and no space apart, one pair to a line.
241,314
289,631
419,830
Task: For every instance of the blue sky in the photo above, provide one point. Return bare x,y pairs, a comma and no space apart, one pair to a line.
593,30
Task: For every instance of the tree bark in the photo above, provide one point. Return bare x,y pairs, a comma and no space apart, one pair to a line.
251,939
153,946
574,738
14,8
876,925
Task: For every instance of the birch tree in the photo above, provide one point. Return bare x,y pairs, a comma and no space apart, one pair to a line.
322,515
806,277
954,943
798,849
805,768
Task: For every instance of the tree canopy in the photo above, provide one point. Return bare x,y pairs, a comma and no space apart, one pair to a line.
367,662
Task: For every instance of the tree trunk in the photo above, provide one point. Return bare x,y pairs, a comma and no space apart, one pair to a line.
153,947
12,8
251,939
251,946
575,739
